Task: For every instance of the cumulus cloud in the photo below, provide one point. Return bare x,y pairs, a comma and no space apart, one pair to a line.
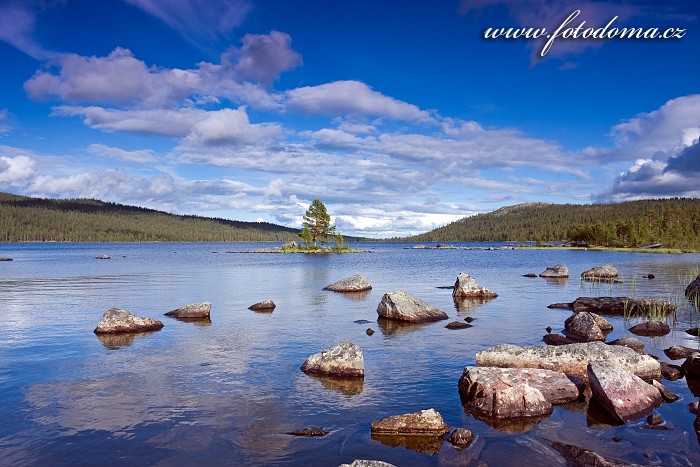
16,169
139,156
648,178
198,21
120,79
353,98
195,126
664,131
263,57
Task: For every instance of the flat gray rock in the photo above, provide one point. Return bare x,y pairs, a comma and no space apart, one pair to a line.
345,360
403,306
626,396
571,359
193,311
478,381
558,270
117,320
356,283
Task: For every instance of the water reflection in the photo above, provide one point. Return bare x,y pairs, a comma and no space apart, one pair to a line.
392,326
467,305
556,281
419,443
356,296
196,321
118,341
347,386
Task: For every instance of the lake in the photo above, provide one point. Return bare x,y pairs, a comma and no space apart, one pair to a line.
226,392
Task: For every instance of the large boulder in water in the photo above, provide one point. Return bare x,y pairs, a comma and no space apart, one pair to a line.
693,290
586,327
425,422
556,271
624,395
345,360
116,320
571,359
193,311
356,283
466,287
606,272
479,381
402,306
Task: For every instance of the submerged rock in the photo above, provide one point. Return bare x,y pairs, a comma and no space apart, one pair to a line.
458,325
631,342
308,432
369,331
586,327
693,331
605,272
580,457
265,305
558,270
693,290
651,328
677,352
466,287
343,360
424,422
116,320
6,259
356,283
477,382
460,438
103,257
625,396
571,359
367,463
193,311
521,401
403,306
530,274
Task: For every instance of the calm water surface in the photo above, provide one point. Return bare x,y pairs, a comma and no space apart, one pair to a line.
224,393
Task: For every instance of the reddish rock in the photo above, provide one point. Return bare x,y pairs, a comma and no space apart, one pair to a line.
520,401
631,342
624,395
677,352
556,339
671,372
477,382
651,328
460,438
265,305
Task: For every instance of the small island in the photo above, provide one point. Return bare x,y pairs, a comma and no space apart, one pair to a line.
317,229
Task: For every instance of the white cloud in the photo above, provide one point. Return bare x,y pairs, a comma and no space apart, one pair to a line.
120,79
140,156
263,57
353,98
198,21
195,127
16,169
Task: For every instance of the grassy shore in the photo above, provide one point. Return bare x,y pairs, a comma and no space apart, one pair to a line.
604,248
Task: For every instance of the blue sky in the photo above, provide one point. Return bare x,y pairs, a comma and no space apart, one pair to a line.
399,115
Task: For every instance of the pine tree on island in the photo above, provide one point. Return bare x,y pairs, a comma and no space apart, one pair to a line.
318,222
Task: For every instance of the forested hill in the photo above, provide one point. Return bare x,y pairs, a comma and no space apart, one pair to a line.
86,220
673,222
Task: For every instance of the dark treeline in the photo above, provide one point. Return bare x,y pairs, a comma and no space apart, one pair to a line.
673,222
85,220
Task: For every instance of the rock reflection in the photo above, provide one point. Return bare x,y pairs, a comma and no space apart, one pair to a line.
467,305
118,341
513,425
391,326
196,321
694,386
419,443
558,281
597,416
185,438
347,386
358,296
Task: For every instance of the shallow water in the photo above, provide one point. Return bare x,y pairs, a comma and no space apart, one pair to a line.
225,392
